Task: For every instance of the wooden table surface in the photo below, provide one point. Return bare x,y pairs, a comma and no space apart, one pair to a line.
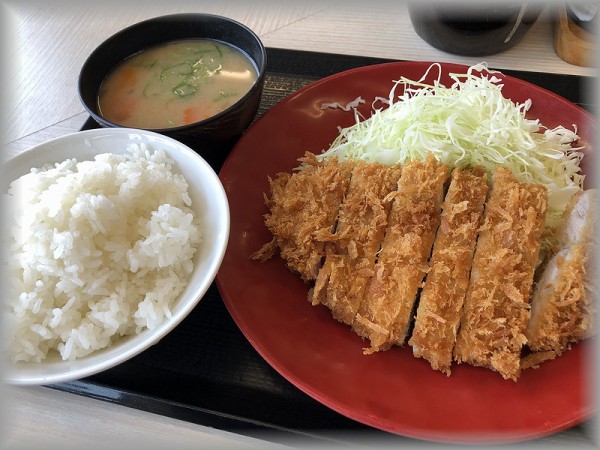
47,44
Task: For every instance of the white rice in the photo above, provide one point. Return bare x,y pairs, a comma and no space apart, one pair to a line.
97,250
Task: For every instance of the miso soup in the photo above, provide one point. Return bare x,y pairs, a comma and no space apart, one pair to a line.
176,84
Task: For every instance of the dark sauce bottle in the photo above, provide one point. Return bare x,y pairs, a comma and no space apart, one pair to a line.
473,29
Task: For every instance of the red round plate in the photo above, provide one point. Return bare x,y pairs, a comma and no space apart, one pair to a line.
392,390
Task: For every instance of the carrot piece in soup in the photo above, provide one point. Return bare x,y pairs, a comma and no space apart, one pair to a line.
120,109
191,115
126,78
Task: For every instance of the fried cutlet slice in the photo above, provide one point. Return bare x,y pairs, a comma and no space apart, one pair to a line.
273,201
496,308
303,205
579,222
563,303
533,360
352,249
384,314
443,294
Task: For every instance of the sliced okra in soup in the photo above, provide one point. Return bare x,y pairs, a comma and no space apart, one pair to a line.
184,89
153,88
201,74
175,72
170,77
213,60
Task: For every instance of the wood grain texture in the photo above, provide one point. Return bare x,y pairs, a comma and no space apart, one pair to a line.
53,42
38,416
51,46
386,31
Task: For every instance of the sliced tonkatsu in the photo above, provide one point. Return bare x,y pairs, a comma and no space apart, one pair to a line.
303,206
384,315
394,255
563,303
496,308
352,249
442,297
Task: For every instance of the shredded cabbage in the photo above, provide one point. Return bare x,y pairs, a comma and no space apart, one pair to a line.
469,123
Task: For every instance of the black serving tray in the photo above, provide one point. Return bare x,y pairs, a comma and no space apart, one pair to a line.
205,371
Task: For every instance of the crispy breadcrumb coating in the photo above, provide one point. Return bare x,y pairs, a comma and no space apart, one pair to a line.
564,299
442,297
352,249
302,206
496,309
384,316
361,235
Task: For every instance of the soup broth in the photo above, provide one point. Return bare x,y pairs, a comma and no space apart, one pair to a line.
176,84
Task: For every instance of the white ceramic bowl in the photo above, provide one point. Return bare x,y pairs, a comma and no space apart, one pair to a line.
209,201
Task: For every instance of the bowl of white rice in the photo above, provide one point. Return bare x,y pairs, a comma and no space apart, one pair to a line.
111,237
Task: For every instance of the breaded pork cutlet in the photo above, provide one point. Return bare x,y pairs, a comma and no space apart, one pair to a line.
352,249
302,206
563,303
496,308
443,294
385,313
579,224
